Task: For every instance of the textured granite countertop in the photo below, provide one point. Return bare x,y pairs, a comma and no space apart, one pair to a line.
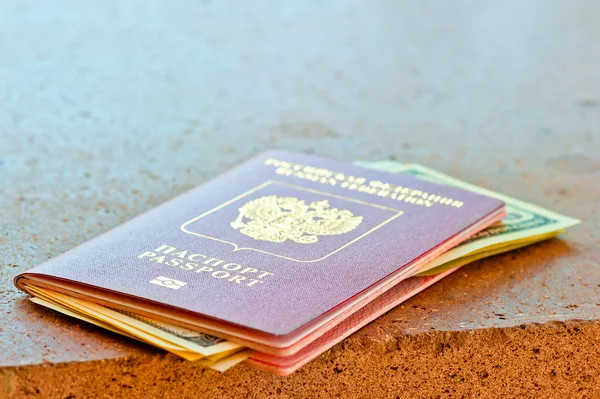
107,111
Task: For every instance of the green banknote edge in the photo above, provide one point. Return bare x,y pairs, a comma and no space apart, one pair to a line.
485,253
544,224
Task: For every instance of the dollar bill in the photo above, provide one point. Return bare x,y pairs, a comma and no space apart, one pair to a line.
207,345
54,306
481,254
523,225
76,315
81,313
189,344
228,362
220,362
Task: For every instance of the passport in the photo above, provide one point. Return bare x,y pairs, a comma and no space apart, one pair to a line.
272,254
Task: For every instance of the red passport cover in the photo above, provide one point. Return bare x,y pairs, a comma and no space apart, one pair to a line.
275,242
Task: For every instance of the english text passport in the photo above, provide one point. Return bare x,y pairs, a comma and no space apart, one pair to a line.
273,253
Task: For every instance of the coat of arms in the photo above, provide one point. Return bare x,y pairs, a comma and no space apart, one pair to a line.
278,219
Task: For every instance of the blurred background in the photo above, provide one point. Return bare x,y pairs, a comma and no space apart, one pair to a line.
190,87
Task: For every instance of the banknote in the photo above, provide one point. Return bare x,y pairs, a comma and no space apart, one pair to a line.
524,223
484,253
191,345
228,362
64,302
194,341
57,307
220,362
76,315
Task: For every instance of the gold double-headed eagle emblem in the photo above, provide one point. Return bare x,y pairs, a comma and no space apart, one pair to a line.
277,219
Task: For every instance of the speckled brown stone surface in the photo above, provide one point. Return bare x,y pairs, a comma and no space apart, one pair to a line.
107,111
